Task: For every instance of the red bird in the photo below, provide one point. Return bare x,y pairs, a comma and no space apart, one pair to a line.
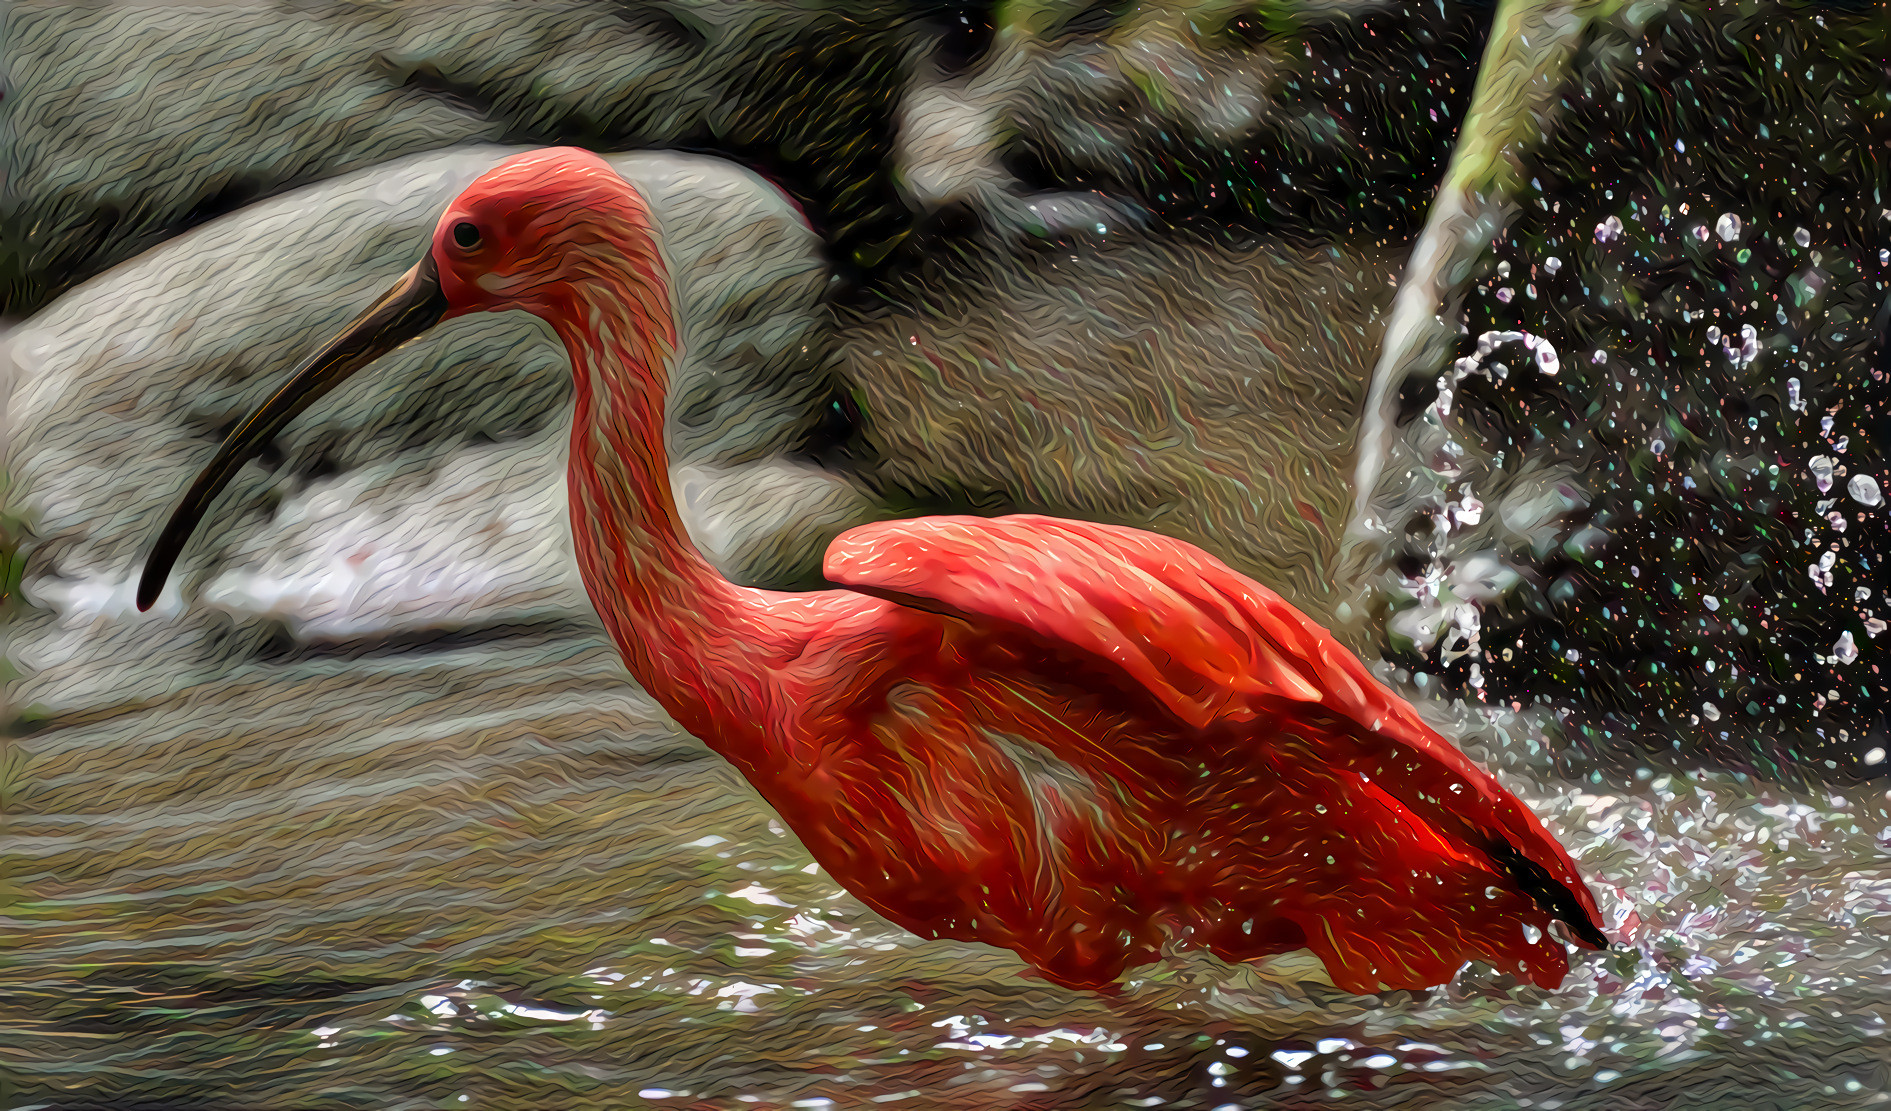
1070,740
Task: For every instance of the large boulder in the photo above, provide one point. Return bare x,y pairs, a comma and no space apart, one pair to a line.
133,122
428,493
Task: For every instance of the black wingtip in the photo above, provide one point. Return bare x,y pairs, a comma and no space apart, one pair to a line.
1587,932
1549,893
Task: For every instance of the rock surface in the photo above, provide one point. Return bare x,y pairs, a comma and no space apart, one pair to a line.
426,494
133,122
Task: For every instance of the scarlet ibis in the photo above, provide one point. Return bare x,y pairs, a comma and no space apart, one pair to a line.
1076,741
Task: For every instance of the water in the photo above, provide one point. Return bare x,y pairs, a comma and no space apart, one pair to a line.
493,875
484,872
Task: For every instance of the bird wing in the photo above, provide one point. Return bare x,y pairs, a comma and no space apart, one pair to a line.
1212,646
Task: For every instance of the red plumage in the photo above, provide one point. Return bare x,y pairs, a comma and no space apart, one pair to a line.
1062,738
1067,739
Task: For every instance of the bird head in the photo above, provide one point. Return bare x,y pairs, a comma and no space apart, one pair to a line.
554,232
542,228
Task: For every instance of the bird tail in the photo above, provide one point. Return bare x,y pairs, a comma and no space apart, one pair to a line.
1552,895
1409,762
1420,875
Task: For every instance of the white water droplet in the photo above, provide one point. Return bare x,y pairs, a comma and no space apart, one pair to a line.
1469,511
1875,756
1821,468
1749,347
1712,603
1864,490
1727,227
1802,237
1442,406
1552,264
1710,711
1845,650
1609,230
1713,333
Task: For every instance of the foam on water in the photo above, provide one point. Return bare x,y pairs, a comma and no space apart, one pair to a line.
485,535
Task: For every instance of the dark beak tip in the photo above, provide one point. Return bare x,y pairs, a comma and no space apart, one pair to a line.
410,307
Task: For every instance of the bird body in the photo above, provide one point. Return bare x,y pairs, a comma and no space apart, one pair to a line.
1071,740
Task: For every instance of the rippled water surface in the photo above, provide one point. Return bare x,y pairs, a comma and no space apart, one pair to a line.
494,876
404,869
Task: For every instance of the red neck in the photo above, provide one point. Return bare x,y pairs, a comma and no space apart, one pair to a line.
685,631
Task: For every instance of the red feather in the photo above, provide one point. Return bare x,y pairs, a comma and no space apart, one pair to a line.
1242,778
1067,739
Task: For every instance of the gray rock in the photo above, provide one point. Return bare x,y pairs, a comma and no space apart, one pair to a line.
428,492
132,122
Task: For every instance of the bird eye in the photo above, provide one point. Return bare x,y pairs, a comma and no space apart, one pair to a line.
466,234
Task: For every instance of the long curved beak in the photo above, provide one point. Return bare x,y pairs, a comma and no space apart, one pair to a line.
414,304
